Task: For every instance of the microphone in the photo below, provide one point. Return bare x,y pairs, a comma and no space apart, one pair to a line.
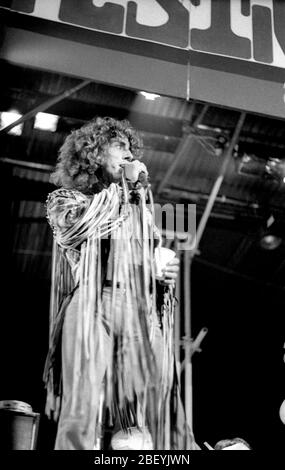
136,172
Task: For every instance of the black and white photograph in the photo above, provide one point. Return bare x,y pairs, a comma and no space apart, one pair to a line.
142,179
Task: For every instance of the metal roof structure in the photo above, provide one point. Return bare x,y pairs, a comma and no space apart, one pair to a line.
252,190
228,162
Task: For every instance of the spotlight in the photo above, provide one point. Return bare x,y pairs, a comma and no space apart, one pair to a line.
8,117
46,122
149,96
270,241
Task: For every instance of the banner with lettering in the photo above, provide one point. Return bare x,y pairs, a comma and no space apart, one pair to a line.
251,30
225,52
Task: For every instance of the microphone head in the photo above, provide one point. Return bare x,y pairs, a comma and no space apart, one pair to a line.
131,171
135,171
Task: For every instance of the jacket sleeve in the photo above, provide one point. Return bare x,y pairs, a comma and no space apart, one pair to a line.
65,207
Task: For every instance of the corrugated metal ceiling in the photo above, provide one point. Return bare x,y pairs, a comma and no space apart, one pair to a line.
162,124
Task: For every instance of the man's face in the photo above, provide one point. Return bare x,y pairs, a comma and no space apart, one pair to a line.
115,155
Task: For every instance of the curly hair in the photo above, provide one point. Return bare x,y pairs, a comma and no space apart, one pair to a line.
80,155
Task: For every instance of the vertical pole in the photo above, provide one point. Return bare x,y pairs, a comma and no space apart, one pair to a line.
188,258
219,180
188,394
177,321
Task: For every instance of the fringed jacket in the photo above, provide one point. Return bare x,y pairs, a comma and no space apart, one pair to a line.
98,237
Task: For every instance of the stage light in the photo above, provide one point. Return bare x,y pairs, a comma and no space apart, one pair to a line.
270,241
271,235
269,169
8,117
46,121
149,96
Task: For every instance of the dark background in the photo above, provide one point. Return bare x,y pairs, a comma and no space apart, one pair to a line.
237,287
238,378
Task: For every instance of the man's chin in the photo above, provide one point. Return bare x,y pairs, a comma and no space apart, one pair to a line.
116,178
119,175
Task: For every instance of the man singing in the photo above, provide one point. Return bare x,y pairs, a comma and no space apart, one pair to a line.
110,361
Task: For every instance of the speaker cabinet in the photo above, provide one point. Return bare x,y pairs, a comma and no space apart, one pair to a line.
18,430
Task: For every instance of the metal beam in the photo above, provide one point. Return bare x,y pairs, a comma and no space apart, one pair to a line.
32,165
188,259
182,147
228,153
188,392
47,104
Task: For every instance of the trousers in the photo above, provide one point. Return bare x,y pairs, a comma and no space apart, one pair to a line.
72,432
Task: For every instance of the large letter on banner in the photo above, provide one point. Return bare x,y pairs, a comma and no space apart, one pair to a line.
219,38
25,6
107,18
262,34
279,22
174,32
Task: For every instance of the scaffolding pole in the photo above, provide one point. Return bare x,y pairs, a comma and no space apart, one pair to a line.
216,187
188,392
188,259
